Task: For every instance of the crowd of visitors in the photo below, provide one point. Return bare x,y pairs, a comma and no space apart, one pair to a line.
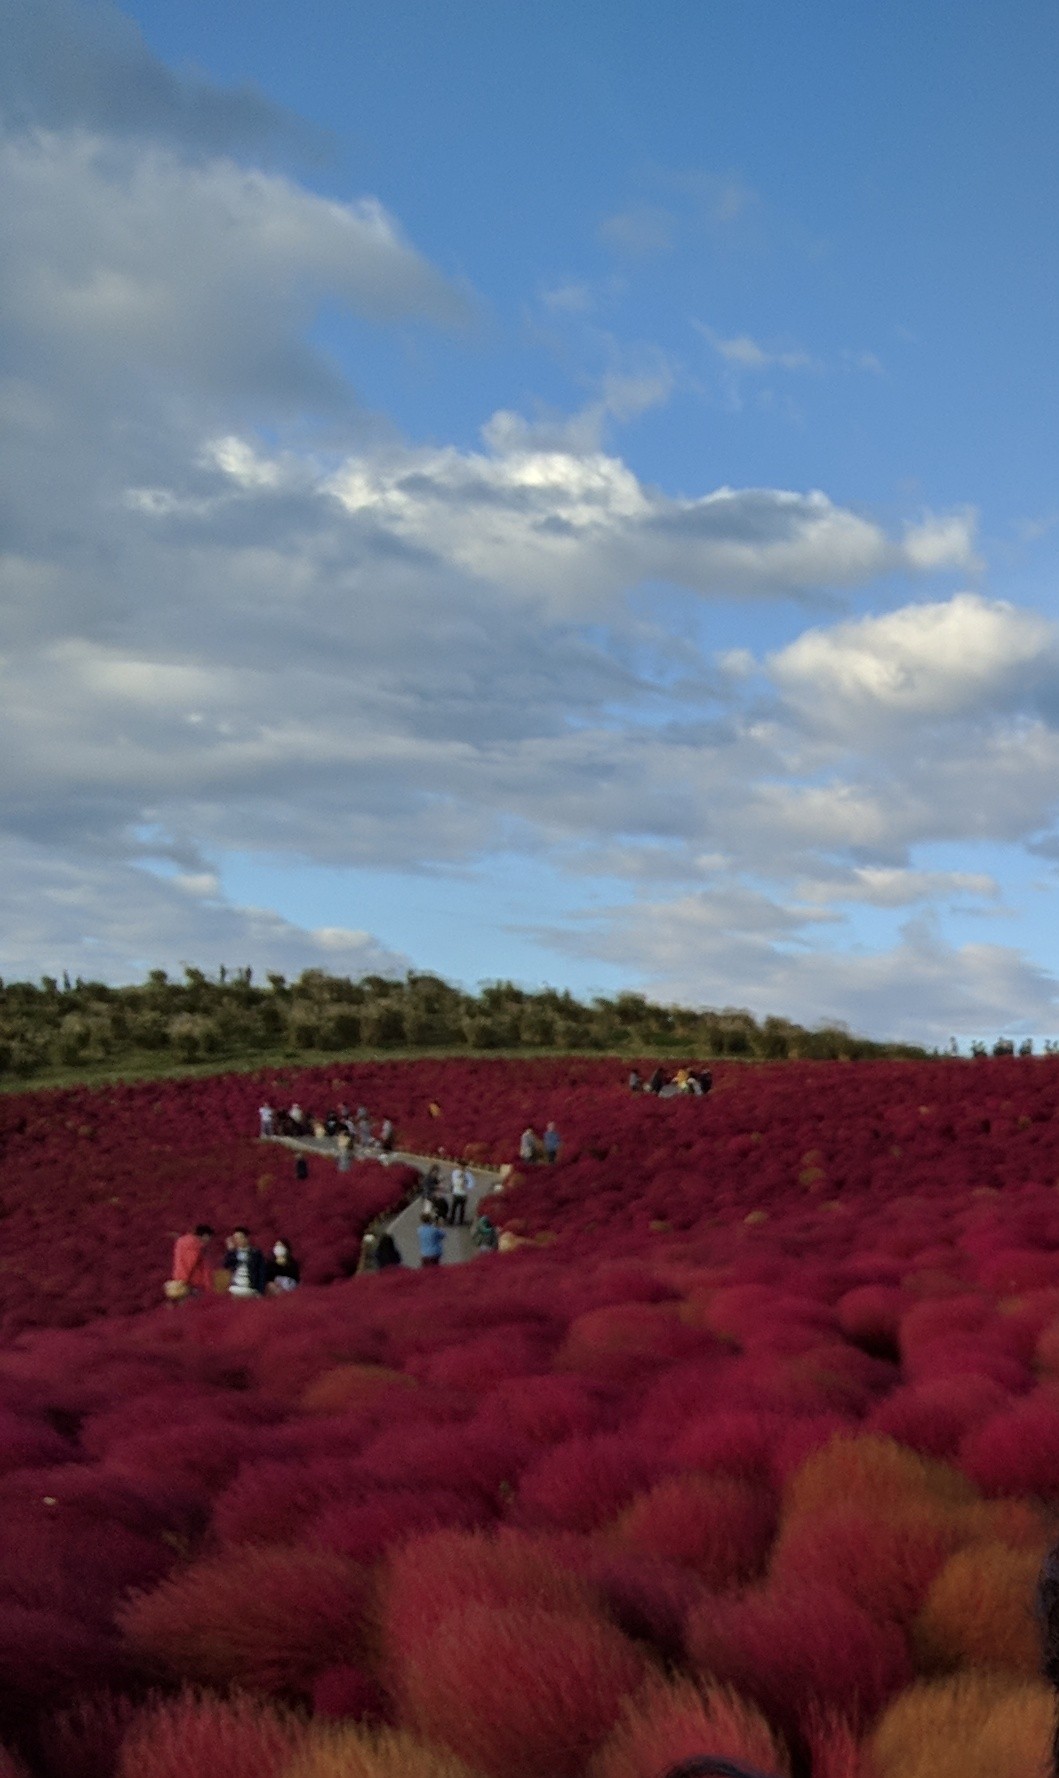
697,1081
352,1132
443,1205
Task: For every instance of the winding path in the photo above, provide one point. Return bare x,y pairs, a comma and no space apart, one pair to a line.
403,1226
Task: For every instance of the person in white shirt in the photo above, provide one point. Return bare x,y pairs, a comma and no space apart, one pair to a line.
265,1113
460,1189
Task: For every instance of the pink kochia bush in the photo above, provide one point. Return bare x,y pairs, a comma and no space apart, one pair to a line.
754,1438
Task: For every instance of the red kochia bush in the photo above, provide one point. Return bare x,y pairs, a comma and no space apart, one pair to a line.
933,1417
581,1483
349,1691
736,1442
45,1658
647,1598
884,1560
78,1569
366,1529
270,1502
258,1617
82,1739
795,1648
544,1410
430,1577
202,1737
519,1691
1017,1452
481,1462
719,1526
665,1724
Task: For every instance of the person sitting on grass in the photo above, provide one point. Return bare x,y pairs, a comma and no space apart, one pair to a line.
431,1240
190,1275
282,1271
246,1263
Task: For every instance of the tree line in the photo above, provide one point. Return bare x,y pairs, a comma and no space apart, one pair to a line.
85,1025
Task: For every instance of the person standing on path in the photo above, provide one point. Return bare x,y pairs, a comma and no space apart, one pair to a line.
552,1144
459,1196
431,1241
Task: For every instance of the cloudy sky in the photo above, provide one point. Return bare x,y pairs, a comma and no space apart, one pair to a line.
561,493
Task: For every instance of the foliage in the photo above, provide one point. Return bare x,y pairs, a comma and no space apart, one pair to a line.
774,1490
87,1026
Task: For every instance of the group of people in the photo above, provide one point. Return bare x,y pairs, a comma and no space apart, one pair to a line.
252,1272
351,1131
441,1210
448,1207
532,1148
697,1081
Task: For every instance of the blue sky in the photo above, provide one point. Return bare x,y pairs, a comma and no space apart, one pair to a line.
566,493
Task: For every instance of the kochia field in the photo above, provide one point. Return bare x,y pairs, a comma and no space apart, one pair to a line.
750,1447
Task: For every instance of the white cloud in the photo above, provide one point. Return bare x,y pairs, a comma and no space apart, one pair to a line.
746,353
581,526
923,662
887,886
87,915
747,951
127,258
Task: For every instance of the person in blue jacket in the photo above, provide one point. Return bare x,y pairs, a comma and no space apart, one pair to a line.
431,1240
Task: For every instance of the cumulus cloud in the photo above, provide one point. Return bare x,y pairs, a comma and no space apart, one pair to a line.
921,663
582,525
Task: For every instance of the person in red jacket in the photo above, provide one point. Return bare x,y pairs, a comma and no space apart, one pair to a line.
189,1263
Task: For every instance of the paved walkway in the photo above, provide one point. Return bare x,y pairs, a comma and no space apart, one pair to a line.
403,1226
